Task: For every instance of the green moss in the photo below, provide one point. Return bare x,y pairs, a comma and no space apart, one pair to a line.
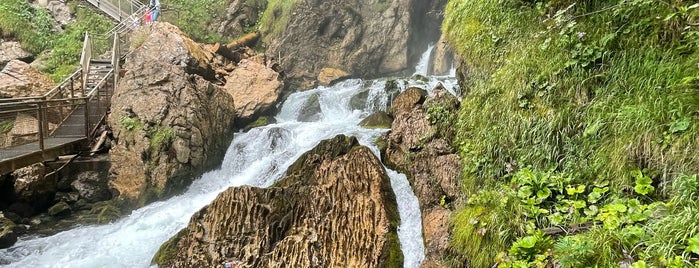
275,18
168,251
103,213
6,126
162,139
34,29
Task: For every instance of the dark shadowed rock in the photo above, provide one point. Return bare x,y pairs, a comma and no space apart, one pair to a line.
33,188
60,210
335,207
8,236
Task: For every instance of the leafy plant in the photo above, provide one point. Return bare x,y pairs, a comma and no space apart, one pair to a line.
643,183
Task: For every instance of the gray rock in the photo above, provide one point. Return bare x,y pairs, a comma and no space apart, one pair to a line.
60,12
8,236
311,109
92,186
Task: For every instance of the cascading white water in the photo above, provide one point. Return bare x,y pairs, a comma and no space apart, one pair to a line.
258,158
423,65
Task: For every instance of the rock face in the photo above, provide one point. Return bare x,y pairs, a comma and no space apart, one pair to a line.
11,50
19,79
171,115
334,208
240,14
366,38
420,148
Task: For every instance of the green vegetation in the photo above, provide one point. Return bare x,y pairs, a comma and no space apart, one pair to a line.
275,18
6,126
161,139
35,30
577,113
199,18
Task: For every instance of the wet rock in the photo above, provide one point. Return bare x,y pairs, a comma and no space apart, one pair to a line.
68,197
406,101
328,76
421,150
443,58
377,120
19,79
60,210
11,50
311,111
8,236
334,207
92,186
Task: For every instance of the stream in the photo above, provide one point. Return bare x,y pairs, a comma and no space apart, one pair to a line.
259,158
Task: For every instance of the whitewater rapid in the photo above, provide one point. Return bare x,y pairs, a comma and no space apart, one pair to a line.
259,158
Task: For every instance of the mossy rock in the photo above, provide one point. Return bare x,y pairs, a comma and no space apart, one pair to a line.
358,101
60,210
262,121
168,250
103,212
377,120
8,237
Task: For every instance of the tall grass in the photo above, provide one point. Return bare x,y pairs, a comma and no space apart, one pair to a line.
591,89
32,27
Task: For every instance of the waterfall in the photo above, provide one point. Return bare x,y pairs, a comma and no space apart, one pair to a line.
423,65
258,157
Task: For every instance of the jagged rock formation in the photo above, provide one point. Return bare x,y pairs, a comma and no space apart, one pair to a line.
421,149
334,208
19,79
174,109
366,38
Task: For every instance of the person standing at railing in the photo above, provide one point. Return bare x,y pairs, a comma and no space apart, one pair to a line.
154,8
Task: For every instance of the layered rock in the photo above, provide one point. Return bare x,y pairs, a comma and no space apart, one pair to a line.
334,208
419,146
366,38
19,79
174,109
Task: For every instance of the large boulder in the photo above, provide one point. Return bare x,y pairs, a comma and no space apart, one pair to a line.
334,208
419,147
60,12
8,235
255,88
174,110
171,119
19,79
366,38
33,191
12,50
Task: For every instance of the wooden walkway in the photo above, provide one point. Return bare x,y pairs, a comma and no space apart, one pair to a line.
65,120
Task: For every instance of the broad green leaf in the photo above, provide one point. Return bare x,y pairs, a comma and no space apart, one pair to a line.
543,193
693,245
680,125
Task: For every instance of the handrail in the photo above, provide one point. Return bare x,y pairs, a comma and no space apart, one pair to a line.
48,94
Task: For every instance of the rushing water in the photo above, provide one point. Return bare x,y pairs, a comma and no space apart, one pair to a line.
258,157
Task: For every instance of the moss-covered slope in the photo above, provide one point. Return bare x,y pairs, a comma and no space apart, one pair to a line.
577,113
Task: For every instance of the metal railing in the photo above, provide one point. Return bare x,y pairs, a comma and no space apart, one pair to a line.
31,119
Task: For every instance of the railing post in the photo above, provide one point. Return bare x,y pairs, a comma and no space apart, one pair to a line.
85,60
87,117
40,118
